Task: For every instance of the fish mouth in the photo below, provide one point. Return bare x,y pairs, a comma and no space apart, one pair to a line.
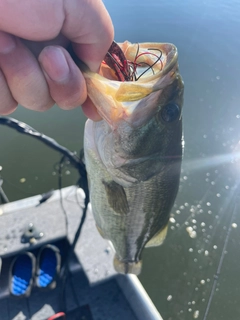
138,62
151,67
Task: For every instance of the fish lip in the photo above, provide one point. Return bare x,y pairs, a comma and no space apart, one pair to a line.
171,52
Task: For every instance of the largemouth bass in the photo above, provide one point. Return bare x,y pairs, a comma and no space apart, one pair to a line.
133,156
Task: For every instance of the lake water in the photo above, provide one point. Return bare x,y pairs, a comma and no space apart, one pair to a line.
195,274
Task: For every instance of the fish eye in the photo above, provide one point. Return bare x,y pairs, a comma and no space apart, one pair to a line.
170,112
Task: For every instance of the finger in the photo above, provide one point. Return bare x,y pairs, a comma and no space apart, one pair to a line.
43,19
89,26
37,46
90,110
65,80
86,23
23,74
7,104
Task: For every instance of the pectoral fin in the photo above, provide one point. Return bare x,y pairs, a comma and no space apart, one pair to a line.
116,196
158,238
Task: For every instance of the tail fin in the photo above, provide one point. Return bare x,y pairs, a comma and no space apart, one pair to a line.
127,267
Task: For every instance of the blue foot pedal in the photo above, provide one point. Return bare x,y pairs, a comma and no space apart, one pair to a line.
21,274
48,266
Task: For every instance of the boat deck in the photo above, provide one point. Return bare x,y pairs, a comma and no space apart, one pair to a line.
93,289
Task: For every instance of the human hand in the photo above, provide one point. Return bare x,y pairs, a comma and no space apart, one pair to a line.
35,69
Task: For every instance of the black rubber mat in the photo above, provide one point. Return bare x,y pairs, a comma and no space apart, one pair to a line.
82,313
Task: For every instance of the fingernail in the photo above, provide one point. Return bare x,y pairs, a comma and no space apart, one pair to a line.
7,43
54,63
